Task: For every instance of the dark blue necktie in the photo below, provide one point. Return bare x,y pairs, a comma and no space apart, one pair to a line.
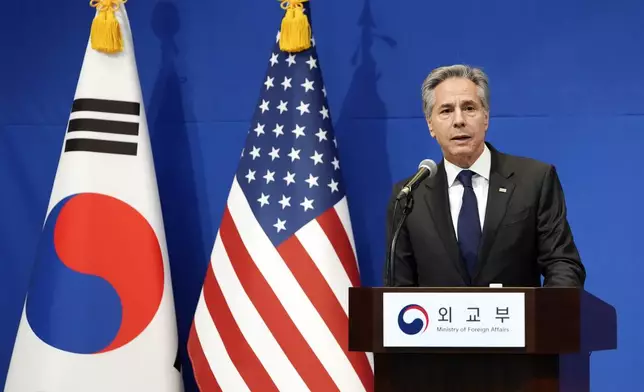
469,225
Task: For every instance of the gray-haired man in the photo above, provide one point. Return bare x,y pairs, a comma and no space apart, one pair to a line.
485,217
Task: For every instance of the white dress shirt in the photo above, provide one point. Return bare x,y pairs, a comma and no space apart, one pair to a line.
480,183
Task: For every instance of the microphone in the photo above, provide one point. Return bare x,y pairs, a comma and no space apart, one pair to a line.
426,168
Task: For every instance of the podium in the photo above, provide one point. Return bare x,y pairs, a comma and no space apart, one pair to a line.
480,339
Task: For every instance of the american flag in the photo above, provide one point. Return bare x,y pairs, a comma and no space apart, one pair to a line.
273,312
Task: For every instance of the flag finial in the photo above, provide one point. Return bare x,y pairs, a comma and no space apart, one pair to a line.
295,35
106,32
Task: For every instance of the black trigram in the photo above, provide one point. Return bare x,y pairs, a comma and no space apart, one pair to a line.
103,126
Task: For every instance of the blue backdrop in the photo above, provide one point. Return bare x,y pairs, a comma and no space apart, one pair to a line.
567,88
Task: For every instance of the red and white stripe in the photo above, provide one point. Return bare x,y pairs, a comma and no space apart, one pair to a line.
275,319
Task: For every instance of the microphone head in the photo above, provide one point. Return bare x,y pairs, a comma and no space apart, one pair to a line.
430,166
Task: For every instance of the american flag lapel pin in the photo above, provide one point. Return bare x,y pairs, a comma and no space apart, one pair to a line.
503,190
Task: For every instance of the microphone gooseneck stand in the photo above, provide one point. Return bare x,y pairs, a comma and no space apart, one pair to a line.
407,207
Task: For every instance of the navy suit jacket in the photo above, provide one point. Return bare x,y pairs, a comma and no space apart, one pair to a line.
525,236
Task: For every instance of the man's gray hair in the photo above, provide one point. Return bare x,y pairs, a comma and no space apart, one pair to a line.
441,74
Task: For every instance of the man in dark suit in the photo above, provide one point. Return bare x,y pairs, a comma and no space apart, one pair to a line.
485,217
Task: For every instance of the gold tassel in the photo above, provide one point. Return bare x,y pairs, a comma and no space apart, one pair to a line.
295,35
106,32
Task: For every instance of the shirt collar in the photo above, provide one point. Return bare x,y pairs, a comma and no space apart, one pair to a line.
481,167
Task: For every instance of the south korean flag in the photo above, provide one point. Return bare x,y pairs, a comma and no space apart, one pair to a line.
99,313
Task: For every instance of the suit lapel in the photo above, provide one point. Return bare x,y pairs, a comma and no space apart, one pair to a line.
437,200
499,194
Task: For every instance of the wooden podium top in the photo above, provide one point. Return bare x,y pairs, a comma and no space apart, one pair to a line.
557,320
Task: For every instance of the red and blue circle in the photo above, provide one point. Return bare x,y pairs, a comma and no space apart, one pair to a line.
98,278
417,325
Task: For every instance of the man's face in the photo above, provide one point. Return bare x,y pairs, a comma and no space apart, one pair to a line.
459,121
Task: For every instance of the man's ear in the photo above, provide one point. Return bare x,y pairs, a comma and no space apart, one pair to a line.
429,125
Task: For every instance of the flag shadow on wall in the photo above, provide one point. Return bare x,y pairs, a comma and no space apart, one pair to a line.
362,141
180,178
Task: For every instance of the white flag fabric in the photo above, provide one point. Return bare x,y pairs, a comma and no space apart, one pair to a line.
99,313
